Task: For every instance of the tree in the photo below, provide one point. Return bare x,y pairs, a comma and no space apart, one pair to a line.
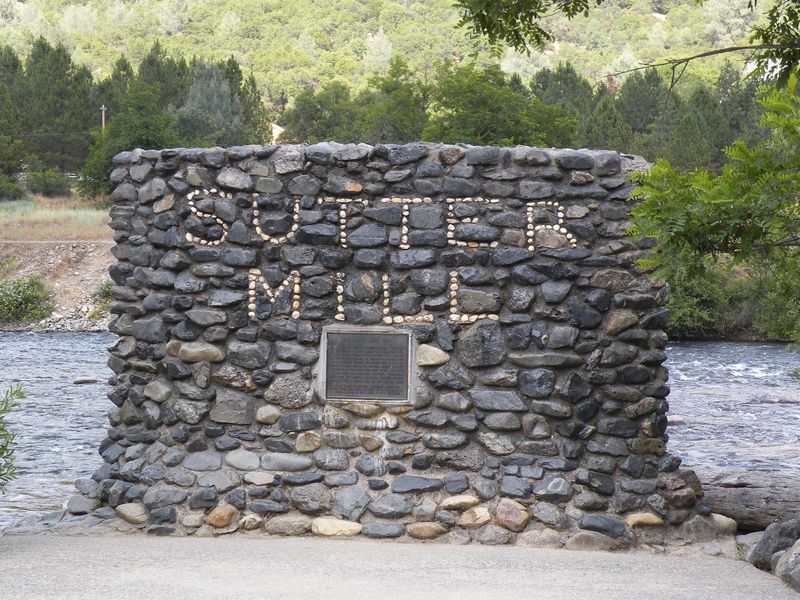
140,123
478,106
12,151
564,87
255,117
748,213
172,76
606,128
112,90
212,114
60,106
394,106
520,25
324,115
641,99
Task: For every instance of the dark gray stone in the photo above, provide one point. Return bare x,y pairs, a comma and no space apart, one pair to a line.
391,506
406,484
537,383
482,344
351,502
498,400
604,524
555,489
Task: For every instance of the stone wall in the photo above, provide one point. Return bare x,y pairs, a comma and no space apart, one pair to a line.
538,408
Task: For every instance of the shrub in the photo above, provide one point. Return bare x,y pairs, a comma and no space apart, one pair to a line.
10,189
25,299
101,298
48,182
10,399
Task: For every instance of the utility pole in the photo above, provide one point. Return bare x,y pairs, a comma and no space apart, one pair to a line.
103,117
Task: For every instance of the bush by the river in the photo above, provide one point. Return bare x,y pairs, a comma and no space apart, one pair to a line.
8,402
24,299
48,182
10,189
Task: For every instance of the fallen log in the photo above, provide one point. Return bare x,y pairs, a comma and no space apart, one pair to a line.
753,499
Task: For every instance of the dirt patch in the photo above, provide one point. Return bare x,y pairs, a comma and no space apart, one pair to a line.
72,271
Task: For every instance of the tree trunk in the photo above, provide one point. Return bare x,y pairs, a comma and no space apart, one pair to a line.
754,500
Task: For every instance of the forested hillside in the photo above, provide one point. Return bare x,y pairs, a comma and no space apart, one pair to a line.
291,44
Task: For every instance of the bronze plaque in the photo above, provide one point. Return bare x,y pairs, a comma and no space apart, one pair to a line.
367,365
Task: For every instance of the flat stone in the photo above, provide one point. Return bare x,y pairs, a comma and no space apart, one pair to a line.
288,525
604,524
474,517
643,519
383,530
80,505
545,359
193,352
413,484
203,461
244,460
498,400
391,506
278,461
459,502
431,356
425,530
331,527
592,541
541,538
132,512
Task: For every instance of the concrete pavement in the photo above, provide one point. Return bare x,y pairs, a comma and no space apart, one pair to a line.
58,567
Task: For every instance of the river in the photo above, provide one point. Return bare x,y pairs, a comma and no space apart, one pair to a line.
740,403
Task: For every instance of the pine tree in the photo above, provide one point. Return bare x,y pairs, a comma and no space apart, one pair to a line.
172,76
606,128
641,98
212,114
564,87
60,107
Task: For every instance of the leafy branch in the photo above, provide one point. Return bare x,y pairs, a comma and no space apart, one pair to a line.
9,402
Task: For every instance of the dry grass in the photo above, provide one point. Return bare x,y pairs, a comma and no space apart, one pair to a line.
37,218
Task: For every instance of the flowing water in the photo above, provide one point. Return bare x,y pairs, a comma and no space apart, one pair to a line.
740,403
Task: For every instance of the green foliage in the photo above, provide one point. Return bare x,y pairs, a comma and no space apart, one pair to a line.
748,214
8,402
24,299
102,295
10,189
606,128
48,182
518,24
58,106
140,123
328,114
394,106
478,106
212,113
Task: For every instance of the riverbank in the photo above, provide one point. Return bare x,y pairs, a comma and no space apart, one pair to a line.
73,272
122,567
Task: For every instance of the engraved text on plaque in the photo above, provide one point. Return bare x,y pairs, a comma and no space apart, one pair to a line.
368,365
